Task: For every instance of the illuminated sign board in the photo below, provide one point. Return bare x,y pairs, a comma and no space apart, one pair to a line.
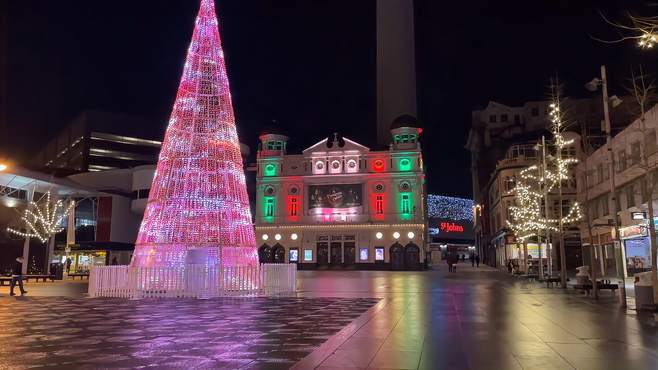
335,198
450,229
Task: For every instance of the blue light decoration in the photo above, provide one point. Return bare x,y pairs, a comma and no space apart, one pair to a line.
449,208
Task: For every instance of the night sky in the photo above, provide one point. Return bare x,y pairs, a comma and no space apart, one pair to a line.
309,65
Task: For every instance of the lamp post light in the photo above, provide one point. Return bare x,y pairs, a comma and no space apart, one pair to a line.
593,85
3,167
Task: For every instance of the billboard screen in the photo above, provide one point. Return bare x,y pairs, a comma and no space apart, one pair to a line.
336,197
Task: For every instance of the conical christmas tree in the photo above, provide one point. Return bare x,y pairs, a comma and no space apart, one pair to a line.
198,200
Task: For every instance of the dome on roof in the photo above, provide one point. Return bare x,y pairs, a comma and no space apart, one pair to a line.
272,131
404,120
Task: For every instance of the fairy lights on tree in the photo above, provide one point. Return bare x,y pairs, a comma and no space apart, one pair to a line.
198,198
44,220
537,182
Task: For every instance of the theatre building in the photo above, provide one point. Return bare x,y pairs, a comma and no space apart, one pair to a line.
340,205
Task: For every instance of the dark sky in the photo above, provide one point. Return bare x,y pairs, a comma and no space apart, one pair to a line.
308,64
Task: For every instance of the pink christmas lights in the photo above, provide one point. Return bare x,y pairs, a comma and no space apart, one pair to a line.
198,198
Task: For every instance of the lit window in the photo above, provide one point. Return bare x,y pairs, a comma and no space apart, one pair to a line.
308,254
405,204
379,204
405,164
293,206
270,170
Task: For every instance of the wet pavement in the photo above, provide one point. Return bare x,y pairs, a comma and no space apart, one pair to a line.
473,319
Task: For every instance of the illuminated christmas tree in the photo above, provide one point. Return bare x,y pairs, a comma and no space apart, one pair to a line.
198,200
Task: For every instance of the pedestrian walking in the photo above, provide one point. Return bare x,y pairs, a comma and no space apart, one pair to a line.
472,258
17,276
477,260
510,266
449,261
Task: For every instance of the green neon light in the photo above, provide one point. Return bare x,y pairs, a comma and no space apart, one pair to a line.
406,205
270,170
269,207
405,164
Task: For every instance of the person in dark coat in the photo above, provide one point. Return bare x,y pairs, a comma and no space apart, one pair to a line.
472,258
477,260
449,262
17,276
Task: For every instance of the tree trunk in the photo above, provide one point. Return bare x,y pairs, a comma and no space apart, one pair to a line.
654,247
525,256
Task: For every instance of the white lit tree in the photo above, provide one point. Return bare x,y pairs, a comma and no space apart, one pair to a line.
42,220
536,182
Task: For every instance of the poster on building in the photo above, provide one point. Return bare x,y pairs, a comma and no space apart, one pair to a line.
335,198
638,254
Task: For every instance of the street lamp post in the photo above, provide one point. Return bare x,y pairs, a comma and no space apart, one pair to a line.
592,86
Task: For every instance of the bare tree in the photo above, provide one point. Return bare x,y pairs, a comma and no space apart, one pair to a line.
643,90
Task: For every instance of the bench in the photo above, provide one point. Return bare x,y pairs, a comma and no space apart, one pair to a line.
82,275
552,280
38,277
5,279
599,286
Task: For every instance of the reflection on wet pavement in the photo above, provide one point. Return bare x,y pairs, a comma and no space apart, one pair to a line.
185,334
472,319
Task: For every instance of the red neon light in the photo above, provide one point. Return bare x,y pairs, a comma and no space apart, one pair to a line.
377,206
451,227
378,165
294,206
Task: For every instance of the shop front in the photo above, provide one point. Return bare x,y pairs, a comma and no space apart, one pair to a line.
79,258
638,248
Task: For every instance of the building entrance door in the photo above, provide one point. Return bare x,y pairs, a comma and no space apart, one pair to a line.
350,254
336,254
323,254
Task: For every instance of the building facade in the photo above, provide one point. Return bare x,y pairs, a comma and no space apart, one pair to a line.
635,151
498,128
340,204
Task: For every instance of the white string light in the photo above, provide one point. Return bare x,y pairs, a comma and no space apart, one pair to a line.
45,222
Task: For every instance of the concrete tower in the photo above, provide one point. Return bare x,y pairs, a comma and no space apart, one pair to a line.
396,64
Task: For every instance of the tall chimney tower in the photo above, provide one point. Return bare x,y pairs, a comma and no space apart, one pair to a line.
396,64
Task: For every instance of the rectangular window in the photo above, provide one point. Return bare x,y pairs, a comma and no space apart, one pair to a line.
621,160
630,195
503,118
308,255
293,206
293,255
379,204
650,144
635,153
363,254
492,119
379,253
405,205
268,209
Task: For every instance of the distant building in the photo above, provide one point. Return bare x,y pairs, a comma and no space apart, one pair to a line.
97,141
501,141
450,225
340,204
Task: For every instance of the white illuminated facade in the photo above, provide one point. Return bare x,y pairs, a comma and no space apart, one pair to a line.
340,204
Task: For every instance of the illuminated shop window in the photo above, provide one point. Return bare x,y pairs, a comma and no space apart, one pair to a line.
363,254
270,170
379,253
405,164
293,206
308,255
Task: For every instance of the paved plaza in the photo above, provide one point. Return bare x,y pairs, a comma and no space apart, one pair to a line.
472,319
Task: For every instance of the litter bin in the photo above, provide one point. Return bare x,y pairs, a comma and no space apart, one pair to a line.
643,290
57,269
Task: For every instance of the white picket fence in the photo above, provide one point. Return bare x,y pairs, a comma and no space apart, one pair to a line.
192,281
